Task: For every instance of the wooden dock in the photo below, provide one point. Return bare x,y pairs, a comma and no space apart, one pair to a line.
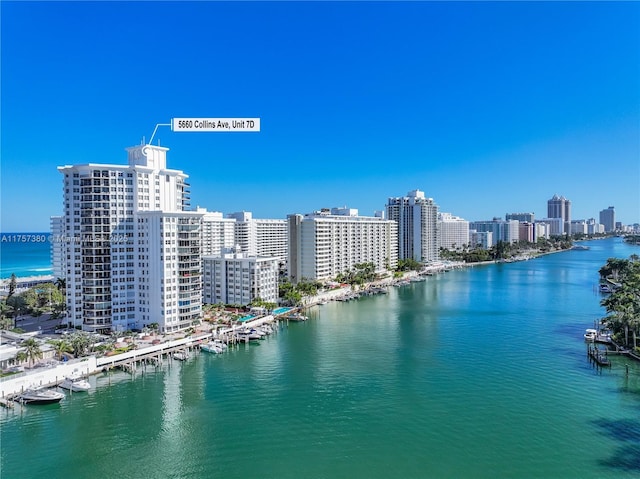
599,357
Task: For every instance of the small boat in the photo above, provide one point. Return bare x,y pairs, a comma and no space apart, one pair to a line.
39,396
75,383
580,247
590,335
215,347
605,288
181,355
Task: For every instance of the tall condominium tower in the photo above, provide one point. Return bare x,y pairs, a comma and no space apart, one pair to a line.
560,207
417,219
218,233
453,231
326,243
608,219
260,237
133,251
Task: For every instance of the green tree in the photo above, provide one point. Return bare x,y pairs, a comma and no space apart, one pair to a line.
32,350
60,346
13,283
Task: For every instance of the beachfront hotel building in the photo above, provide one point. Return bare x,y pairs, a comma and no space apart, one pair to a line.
261,237
133,250
326,243
560,207
453,231
417,220
237,278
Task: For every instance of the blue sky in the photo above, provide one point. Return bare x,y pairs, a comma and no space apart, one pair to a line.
487,107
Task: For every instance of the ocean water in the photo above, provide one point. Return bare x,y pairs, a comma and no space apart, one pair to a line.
475,373
25,254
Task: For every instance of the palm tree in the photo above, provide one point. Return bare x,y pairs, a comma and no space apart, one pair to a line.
32,350
60,346
79,343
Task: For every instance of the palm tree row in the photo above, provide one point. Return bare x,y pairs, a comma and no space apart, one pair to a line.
623,304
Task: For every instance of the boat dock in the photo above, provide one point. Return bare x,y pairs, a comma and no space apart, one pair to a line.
598,356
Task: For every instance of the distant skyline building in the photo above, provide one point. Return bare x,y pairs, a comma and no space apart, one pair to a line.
417,220
133,251
560,207
526,231
507,231
555,226
579,227
608,219
480,239
326,243
453,231
522,217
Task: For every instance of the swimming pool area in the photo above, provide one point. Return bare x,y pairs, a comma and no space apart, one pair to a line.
281,310
246,318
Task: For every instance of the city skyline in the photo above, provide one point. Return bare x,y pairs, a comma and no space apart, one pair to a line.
370,101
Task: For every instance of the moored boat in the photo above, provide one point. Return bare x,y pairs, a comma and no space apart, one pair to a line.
75,383
39,396
590,335
181,355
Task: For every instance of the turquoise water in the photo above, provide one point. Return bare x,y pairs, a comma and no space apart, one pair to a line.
475,373
25,254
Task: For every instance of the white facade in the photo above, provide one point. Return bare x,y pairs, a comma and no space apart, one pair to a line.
555,225
58,250
480,239
218,233
579,227
541,230
134,252
260,237
507,231
453,231
417,219
324,244
236,278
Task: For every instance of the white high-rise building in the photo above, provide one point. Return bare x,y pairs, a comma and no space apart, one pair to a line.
480,239
260,237
218,233
134,252
326,243
417,219
58,250
507,231
236,278
453,231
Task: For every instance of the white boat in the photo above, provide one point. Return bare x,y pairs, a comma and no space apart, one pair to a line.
212,347
39,396
590,334
75,383
181,355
